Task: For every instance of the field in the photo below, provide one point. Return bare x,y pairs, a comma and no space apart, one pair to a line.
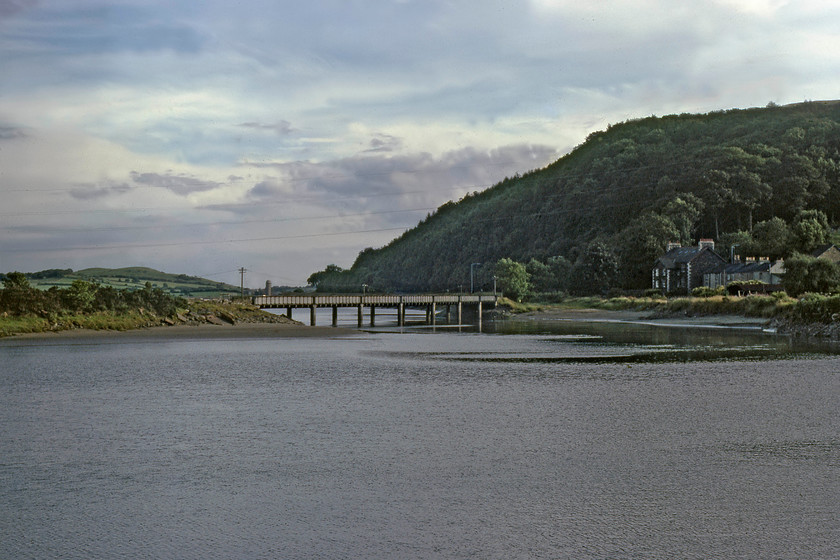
132,278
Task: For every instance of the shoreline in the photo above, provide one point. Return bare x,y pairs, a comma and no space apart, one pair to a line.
591,315
187,332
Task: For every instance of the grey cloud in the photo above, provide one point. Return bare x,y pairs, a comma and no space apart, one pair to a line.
93,191
177,184
280,127
384,143
106,29
9,8
376,182
10,133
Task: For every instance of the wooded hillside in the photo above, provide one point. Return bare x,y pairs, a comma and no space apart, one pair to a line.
765,179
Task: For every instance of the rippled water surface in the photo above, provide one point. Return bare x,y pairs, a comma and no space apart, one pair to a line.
569,441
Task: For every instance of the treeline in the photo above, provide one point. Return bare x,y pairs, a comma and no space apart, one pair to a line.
764,181
18,298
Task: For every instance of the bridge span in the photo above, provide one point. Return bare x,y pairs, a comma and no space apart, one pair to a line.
372,301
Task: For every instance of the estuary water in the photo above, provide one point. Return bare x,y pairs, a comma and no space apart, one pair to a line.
572,440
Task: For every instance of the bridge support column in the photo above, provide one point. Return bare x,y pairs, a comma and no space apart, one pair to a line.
312,315
372,316
289,312
401,314
460,313
432,314
360,313
479,316
335,316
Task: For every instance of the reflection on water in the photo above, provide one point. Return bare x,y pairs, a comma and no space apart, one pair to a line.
629,343
569,441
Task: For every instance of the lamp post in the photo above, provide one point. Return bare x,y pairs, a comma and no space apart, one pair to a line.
472,276
364,289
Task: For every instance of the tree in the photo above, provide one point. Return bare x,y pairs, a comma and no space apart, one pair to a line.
596,271
640,244
321,278
80,295
684,211
772,238
810,228
16,281
804,273
512,279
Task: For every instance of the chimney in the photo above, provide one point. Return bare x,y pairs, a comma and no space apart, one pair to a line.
710,243
268,287
672,245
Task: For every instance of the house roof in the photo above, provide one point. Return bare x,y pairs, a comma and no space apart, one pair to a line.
747,268
823,249
683,255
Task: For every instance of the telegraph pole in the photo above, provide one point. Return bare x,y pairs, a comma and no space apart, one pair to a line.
242,272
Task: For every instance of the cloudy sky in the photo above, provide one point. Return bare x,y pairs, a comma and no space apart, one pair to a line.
283,136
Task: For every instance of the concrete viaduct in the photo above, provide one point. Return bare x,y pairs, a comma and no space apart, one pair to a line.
400,302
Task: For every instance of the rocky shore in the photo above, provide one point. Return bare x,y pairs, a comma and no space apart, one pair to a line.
820,331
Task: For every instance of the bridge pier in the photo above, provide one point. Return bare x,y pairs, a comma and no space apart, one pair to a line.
312,315
460,312
479,316
401,314
335,316
289,312
360,314
372,315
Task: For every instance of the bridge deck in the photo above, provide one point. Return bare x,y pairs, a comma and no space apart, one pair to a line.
359,301
378,300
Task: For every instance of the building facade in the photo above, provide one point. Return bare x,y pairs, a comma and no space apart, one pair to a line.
681,269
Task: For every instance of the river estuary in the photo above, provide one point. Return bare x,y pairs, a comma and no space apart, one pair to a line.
567,440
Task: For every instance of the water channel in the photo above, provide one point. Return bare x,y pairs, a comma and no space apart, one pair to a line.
529,440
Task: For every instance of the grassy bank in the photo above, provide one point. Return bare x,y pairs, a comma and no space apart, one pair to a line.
197,312
810,308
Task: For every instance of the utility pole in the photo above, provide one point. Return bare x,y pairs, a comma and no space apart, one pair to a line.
242,272
472,276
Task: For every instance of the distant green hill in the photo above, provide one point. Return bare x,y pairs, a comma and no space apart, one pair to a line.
599,216
134,278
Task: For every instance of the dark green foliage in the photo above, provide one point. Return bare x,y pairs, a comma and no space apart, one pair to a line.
804,273
634,187
512,279
17,298
595,271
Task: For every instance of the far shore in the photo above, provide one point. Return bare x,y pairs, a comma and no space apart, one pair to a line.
184,332
634,316
300,330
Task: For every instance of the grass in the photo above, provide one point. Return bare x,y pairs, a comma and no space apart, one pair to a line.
97,321
240,311
761,306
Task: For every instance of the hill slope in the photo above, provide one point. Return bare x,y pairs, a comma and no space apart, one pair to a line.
622,194
134,278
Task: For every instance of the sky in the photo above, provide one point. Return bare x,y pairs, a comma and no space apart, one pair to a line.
283,136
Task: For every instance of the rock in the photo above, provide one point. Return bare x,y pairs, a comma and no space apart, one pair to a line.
227,317
181,318
167,321
213,320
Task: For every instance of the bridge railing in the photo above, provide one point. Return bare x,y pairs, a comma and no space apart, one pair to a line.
349,300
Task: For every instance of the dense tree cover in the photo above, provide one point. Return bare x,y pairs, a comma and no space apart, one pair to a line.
761,182
513,279
804,273
18,298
